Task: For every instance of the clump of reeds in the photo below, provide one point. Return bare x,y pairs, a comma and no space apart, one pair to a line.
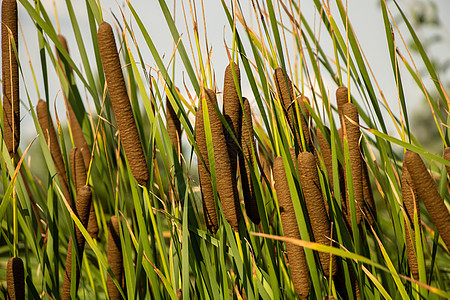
320,225
83,206
246,164
232,111
411,204
121,103
209,206
173,127
115,258
52,141
10,76
15,279
352,134
427,190
296,254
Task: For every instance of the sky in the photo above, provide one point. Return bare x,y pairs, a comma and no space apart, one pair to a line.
365,17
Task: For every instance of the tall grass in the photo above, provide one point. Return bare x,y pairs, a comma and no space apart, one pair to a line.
176,221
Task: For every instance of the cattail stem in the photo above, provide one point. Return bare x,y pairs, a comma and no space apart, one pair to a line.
10,76
309,180
83,206
411,205
15,279
52,141
246,164
115,259
296,254
121,104
427,190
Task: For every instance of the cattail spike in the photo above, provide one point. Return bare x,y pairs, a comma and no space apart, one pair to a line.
246,164
115,258
173,127
10,76
121,103
15,279
296,254
447,157
427,190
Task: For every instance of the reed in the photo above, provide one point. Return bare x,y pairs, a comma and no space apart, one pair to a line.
115,258
411,204
121,104
83,206
352,133
209,206
296,254
427,190
246,164
52,142
232,111
320,224
10,77
15,279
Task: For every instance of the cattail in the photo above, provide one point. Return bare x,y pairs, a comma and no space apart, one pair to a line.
83,206
309,180
369,207
265,160
121,104
352,133
325,150
447,157
209,206
77,133
80,178
52,141
225,179
246,164
180,294
232,112
427,190
341,99
411,204
173,127
15,279
296,255
115,259
10,77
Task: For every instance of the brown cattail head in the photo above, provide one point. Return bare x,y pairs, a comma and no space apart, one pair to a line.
284,89
309,180
63,41
352,133
15,279
180,294
83,206
209,206
447,157
341,99
173,127
427,190
246,164
52,141
121,103
225,178
369,207
296,254
265,161
115,259
232,111
10,76
410,203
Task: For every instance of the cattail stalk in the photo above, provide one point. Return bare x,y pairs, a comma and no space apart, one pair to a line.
83,206
80,179
295,253
115,259
121,103
411,204
427,190
209,206
10,77
232,112
52,141
225,179
352,133
309,180
15,279
246,164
